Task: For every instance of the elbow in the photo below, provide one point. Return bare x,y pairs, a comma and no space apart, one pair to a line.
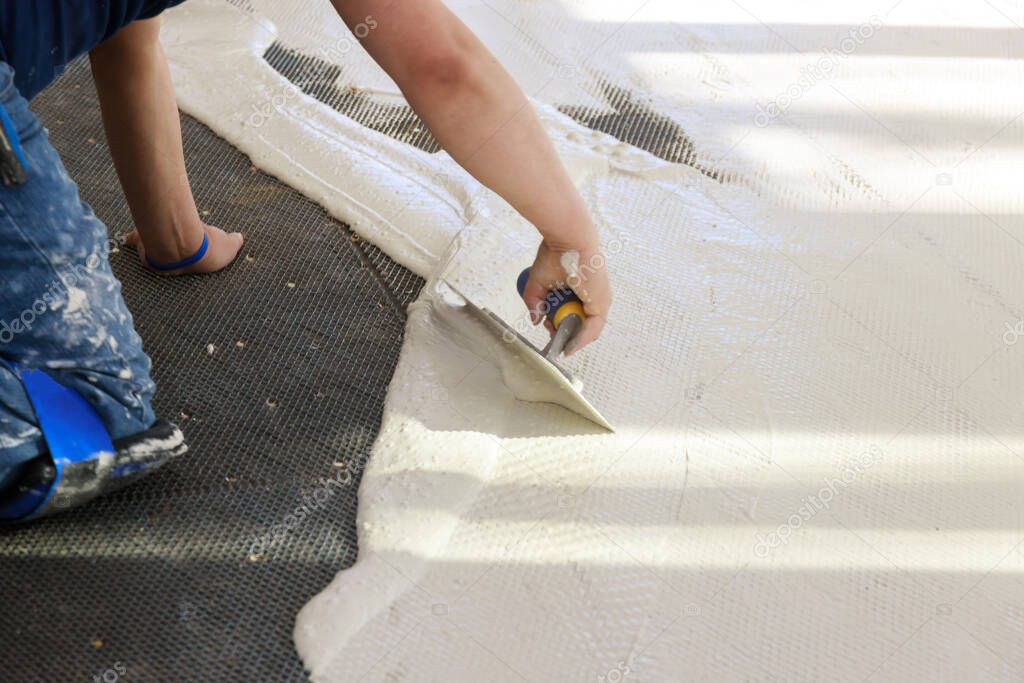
444,69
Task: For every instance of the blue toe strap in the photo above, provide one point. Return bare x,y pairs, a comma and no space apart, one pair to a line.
73,432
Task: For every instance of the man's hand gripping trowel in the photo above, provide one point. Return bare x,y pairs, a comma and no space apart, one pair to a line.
565,312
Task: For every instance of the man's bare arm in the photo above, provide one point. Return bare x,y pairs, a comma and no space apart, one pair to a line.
144,131
482,118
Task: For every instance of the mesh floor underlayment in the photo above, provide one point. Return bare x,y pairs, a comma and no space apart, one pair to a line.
306,329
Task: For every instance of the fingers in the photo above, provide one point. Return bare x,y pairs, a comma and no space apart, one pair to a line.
223,250
233,242
596,309
134,241
534,295
548,273
590,331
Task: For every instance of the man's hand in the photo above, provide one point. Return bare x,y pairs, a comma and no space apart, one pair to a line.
222,250
590,282
484,121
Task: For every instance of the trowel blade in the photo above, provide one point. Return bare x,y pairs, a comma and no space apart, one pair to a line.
552,373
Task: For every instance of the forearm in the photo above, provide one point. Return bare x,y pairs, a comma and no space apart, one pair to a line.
475,110
141,120
490,129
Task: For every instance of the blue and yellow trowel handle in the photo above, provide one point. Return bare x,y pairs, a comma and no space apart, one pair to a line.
564,311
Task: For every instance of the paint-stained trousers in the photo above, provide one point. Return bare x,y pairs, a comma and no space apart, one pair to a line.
61,308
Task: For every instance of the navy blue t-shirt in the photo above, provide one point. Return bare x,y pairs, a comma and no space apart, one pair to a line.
38,38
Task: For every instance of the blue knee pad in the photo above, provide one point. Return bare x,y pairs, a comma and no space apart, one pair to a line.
82,461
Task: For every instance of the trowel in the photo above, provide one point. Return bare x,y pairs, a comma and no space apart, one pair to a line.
565,312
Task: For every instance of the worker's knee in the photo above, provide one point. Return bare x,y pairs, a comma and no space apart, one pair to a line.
76,327
61,308
117,387
20,437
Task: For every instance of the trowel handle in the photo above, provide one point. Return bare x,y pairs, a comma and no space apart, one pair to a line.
561,302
